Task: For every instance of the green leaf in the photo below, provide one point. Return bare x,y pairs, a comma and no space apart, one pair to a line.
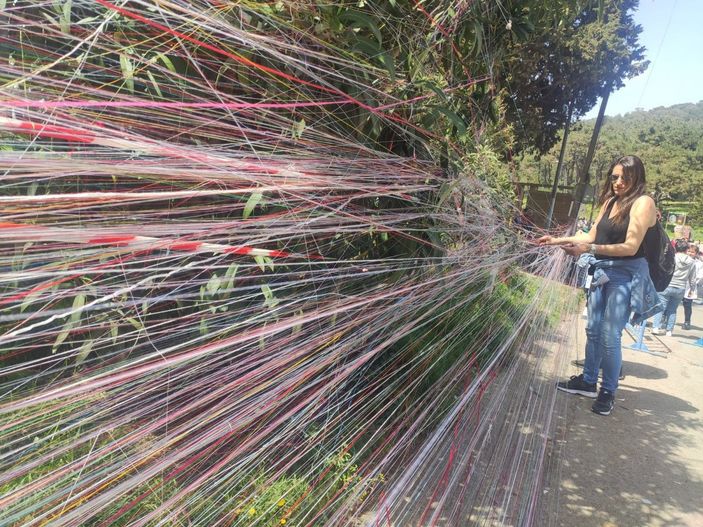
269,299
66,17
230,275
154,83
213,285
387,61
78,303
296,329
268,261
445,191
252,202
298,129
51,19
167,62
67,327
29,299
439,92
135,323
114,331
454,118
221,71
260,262
361,20
478,37
367,46
3,3
127,71
83,352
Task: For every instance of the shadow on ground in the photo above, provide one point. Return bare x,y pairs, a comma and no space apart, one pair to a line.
641,442
642,371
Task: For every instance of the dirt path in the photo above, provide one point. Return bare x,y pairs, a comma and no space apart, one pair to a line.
643,465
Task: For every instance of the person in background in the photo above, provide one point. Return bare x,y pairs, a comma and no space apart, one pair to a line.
582,225
692,291
684,277
621,283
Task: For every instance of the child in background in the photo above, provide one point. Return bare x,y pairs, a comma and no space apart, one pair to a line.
692,290
671,297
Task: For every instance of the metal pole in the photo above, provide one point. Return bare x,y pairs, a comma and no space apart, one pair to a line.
593,201
560,164
583,178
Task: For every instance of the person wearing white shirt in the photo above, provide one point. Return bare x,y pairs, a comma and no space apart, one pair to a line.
671,297
692,290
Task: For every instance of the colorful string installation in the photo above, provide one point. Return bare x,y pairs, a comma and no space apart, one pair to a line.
219,306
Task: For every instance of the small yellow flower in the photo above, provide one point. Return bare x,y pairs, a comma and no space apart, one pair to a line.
281,502
238,511
252,512
283,521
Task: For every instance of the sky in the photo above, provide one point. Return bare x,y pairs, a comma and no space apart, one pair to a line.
672,33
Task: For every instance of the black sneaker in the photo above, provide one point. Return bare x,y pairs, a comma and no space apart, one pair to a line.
578,386
686,325
604,403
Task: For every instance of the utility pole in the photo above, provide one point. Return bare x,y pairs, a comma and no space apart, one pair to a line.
593,201
553,195
583,177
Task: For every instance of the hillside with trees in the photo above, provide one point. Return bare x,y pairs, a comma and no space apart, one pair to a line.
669,140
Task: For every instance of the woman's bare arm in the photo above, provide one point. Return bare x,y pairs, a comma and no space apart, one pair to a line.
582,237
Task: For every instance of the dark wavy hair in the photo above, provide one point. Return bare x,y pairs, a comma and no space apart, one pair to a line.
681,246
633,169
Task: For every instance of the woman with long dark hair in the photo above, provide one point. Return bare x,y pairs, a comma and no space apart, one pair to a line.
626,217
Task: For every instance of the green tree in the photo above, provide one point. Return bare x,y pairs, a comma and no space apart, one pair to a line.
570,60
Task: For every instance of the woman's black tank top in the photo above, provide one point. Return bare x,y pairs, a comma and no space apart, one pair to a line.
609,232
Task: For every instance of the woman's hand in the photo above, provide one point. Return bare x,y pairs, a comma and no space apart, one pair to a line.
553,240
576,249
547,240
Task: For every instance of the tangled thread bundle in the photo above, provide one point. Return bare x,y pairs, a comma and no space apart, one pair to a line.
221,305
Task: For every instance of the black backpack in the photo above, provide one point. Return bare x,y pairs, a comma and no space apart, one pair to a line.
660,256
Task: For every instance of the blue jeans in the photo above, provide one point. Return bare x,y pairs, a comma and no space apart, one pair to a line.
671,298
608,312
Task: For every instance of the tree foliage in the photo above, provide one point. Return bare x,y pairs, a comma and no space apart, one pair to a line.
574,55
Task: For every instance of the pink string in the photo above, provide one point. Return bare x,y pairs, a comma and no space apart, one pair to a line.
15,103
